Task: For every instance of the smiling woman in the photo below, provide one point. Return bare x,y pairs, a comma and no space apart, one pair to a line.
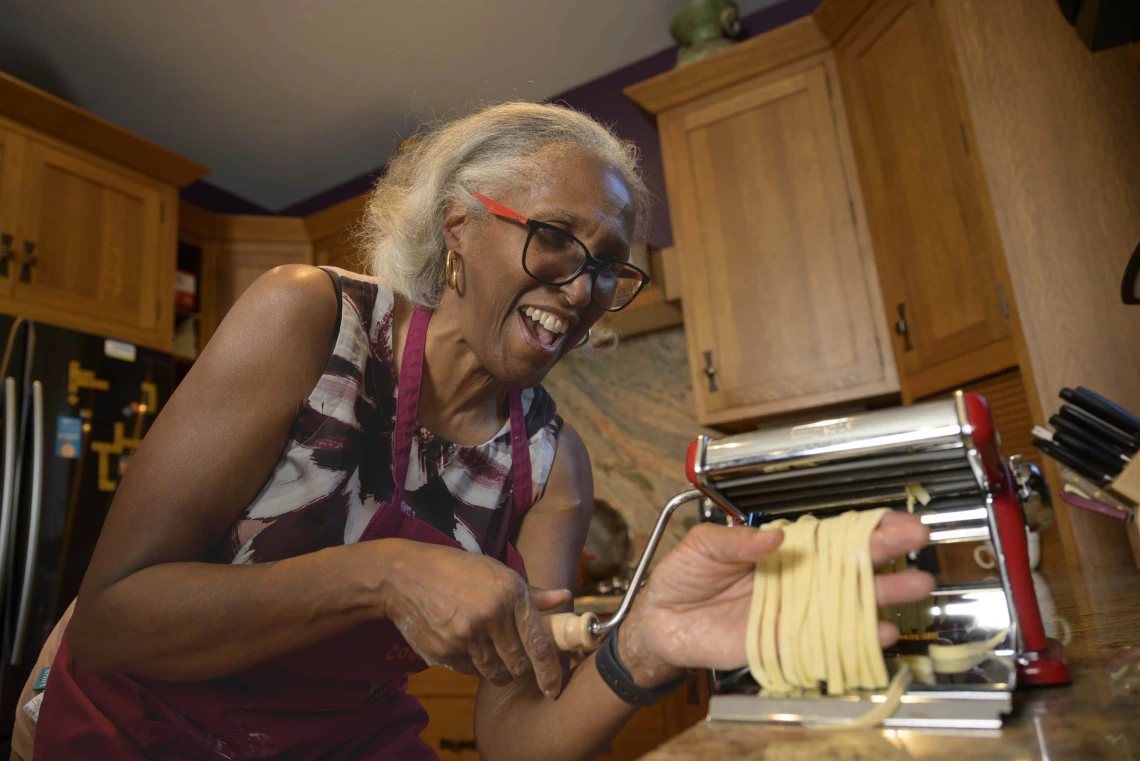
361,474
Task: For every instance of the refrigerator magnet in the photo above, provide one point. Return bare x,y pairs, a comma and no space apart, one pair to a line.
68,437
119,350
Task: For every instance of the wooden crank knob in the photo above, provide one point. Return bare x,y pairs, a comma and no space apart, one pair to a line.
572,632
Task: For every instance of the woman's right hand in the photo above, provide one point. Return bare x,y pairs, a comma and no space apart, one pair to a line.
471,614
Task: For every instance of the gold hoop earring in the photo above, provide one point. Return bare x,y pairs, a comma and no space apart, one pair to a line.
452,268
585,339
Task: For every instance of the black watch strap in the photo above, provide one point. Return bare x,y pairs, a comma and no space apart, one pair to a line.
617,676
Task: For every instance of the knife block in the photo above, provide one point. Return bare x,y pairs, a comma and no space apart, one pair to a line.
1127,486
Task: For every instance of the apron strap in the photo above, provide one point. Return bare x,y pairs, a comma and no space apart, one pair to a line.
407,400
408,396
522,489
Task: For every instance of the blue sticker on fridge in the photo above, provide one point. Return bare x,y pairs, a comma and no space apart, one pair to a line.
68,437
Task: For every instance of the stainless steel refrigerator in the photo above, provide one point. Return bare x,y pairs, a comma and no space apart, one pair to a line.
73,407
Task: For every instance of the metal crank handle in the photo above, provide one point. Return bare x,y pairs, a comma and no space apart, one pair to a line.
587,631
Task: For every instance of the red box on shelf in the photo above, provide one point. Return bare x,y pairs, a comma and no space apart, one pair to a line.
185,289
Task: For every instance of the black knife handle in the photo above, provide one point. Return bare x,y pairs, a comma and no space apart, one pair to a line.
1107,463
1102,429
1075,430
1108,411
1065,457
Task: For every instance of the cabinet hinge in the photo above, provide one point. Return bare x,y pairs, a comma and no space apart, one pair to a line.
1004,303
965,140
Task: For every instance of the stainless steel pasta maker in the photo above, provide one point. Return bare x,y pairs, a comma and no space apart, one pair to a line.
950,449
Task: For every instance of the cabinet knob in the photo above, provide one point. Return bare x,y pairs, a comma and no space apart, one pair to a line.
29,261
902,327
6,253
456,745
710,371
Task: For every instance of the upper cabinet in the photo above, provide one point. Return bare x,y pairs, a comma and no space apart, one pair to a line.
781,298
234,251
936,242
338,250
332,233
9,192
87,241
88,220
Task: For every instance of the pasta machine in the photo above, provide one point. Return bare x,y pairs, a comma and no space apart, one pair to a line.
949,453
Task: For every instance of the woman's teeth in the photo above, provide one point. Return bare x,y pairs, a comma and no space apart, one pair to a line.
546,320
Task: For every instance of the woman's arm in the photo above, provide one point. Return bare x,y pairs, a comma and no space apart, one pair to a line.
514,721
691,614
149,606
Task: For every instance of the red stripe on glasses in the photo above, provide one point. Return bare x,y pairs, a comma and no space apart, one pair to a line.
499,210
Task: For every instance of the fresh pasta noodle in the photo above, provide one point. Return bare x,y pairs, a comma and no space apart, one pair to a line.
814,617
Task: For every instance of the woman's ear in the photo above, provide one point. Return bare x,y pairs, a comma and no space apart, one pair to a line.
455,220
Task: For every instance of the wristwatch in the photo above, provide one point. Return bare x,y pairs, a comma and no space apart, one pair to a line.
617,676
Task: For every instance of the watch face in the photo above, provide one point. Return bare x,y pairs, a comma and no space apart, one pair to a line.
1130,288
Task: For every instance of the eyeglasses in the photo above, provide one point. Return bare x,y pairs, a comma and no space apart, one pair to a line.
555,257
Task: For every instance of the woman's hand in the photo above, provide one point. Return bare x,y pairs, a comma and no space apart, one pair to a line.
472,614
694,610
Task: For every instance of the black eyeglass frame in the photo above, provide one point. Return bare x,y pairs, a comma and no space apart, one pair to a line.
590,262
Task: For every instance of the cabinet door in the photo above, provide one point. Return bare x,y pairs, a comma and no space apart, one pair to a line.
936,244
338,250
781,299
88,243
451,727
9,193
240,263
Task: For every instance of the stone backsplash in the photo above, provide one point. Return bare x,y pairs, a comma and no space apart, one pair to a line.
632,406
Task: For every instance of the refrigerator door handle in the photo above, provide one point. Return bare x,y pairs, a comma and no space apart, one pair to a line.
33,523
6,508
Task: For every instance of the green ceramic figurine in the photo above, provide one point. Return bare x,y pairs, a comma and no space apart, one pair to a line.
703,27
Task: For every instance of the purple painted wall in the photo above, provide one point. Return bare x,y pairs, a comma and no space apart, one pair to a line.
602,98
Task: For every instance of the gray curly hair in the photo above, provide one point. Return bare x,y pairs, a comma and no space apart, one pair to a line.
401,233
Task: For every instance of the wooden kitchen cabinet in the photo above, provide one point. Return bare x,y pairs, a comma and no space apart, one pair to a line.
338,250
935,238
88,220
781,298
9,193
240,263
88,238
235,251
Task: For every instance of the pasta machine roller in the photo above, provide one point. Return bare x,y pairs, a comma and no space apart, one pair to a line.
879,459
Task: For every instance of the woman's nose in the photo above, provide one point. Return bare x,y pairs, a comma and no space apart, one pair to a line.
578,291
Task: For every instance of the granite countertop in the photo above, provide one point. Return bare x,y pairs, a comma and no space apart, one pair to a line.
1096,717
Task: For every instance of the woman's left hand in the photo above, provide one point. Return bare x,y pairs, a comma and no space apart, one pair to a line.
694,611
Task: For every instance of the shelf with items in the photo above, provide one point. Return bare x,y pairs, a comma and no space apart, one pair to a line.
657,307
220,255
187,276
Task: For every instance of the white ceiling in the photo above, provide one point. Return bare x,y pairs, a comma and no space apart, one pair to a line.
285,99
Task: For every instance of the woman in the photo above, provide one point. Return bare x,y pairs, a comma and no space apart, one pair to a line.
350,482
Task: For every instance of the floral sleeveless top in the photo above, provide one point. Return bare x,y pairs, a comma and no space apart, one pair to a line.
337,465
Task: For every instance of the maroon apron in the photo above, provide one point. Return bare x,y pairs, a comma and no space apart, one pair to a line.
343,698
